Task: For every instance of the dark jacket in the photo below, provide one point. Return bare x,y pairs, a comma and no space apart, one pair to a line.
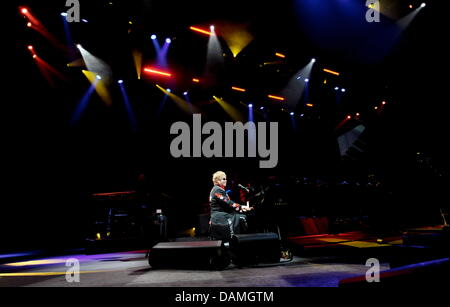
219,200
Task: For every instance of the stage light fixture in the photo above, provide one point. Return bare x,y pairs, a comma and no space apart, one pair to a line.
336,88
185,93
383,103
313,60
98,77
262,108
24,11
30,47
64,14
78,46
212,28
343,90
331,72
280,55
238,89
84,20
200,30
169,90
275,97
168,40
301,115
195,80
29,25
423,4
349,117
153,36
306,80
157,72
120,81
292,113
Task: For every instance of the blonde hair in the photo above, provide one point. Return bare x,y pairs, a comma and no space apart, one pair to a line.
217,176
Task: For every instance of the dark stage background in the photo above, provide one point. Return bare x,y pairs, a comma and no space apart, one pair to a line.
50,168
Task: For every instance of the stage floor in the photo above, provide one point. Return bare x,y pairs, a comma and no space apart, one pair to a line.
131,269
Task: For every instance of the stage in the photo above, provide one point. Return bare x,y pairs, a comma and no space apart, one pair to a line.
318,261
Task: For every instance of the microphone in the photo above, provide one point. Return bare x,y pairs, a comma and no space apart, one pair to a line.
243,188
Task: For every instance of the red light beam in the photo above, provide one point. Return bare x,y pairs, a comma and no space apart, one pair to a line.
157,72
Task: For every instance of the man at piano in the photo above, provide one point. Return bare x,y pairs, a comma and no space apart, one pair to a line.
226,217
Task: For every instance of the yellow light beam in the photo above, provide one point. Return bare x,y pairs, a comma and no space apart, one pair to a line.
137,56
276,97
331,72
230,110
100,87
36,262
76,63
280,55
200,30
180,102
238,89
49,273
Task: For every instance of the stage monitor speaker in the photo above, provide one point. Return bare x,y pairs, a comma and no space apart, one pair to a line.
189,255
255,248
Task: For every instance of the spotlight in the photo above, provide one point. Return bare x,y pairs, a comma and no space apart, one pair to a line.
78,46
349,117
168,40
423,4
301,115
336,88
262,108
306,80
153,36
383,103
120,81
292,113
29,25
64,14
98,77
84,20
24,11
313,60
299,77
185,93
212,28
34,56
30,47
343,90
250,106
357,114
169,90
